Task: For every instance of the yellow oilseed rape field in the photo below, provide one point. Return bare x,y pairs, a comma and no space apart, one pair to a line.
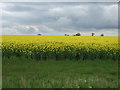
60,47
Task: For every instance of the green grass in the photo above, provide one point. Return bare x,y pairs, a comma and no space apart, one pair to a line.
24,73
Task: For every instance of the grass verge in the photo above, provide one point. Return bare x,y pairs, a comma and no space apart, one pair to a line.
24,73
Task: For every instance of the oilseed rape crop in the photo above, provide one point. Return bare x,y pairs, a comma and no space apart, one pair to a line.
60,47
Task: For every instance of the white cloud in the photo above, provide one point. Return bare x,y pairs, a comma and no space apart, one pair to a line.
58,9
64,21
33,27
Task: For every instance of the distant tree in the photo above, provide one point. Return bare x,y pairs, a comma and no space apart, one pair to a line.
102,35
38,34
65,34
93,34
78,34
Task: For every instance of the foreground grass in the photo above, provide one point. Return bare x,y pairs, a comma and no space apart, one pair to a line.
59,74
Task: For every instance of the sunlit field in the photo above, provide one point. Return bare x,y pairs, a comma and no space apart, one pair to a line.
34,61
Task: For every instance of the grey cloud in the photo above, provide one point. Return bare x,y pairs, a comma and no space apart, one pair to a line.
60,17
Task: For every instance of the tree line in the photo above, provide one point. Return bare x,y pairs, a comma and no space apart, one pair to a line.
79,34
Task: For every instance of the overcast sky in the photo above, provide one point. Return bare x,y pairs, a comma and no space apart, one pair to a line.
59,18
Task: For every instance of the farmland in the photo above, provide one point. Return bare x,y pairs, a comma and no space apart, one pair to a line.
60,47
31,61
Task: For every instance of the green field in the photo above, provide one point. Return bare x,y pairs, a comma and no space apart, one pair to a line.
24,73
